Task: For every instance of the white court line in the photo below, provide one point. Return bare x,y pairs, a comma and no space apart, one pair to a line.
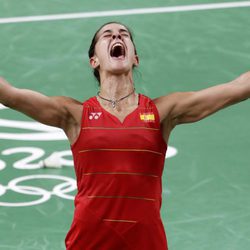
127,12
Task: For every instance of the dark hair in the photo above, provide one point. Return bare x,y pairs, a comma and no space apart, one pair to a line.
94,41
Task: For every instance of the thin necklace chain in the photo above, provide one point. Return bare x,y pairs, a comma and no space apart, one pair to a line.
115,102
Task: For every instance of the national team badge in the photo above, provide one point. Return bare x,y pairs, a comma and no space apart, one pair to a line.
147,117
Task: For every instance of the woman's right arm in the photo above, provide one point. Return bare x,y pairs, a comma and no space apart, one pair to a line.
53,111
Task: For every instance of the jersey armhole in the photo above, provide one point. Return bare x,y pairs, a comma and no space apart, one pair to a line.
72,146
156,112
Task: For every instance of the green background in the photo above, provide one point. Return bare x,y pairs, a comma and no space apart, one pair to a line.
206,203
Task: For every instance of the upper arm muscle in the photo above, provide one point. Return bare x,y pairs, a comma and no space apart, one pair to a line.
189,107
48,110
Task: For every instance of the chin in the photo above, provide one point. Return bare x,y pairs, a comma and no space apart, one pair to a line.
120,70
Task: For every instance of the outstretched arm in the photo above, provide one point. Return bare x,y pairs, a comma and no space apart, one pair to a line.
53,111
186,107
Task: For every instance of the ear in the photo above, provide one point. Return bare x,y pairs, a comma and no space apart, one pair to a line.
94,62
136,61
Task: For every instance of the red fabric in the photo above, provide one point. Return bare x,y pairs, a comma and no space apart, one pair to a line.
118,169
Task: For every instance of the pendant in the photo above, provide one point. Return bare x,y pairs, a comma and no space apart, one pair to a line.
113,103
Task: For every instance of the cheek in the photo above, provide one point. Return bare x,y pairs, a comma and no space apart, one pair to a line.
101,48
131,53
131,48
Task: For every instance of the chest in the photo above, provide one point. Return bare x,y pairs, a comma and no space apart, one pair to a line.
139,130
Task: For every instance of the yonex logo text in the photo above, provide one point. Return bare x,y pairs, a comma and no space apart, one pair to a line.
95,116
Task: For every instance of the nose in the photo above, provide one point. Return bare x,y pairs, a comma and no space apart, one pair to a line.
115,36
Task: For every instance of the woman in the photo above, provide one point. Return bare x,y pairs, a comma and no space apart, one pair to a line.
119,140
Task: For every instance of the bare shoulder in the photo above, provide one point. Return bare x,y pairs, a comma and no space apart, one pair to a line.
72,120
163,104
72,106
167,104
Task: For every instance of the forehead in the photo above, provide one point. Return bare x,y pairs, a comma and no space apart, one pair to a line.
111,27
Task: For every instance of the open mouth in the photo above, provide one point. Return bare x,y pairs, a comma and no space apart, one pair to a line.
117,51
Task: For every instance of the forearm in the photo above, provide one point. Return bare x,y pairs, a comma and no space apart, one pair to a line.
47,110
14,98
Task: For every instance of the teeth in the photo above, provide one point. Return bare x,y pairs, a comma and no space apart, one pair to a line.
117,44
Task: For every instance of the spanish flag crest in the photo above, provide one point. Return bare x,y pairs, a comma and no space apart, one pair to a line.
147,117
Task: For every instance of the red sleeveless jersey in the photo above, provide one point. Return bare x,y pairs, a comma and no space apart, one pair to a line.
118,168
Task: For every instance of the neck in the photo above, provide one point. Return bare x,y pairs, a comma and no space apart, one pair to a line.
116,86
117,93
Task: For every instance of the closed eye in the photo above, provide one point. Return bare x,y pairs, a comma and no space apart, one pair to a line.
107,35
125,35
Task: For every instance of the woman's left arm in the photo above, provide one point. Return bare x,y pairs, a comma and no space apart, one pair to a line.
187,107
